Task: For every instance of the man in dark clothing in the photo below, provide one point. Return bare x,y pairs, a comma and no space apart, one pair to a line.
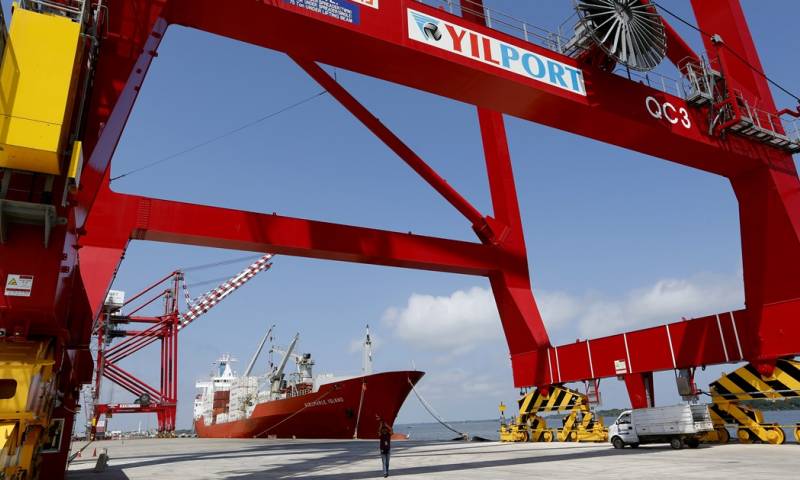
385,436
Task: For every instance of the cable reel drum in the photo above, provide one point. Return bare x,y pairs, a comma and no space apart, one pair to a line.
628,32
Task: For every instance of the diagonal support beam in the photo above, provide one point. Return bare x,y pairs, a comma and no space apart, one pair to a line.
374,125
96,169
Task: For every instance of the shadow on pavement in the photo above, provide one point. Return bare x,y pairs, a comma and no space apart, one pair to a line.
342,454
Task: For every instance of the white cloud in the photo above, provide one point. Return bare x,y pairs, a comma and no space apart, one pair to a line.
666,301
453,324
460,384
457,323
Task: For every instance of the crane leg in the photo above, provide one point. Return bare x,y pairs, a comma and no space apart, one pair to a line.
580,424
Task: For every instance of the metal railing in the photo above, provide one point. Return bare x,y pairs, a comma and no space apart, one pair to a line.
767,126
506,23
76,10
556,41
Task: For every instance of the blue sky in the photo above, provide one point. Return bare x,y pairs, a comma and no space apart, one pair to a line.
616,240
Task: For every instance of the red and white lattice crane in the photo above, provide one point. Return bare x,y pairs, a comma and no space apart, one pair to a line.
165,327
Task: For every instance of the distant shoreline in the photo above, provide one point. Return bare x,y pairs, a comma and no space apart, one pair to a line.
763,405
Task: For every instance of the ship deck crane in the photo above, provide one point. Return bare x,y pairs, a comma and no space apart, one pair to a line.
165,328
276,376
253,360
64,231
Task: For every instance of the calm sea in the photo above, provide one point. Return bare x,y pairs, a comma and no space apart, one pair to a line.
488,428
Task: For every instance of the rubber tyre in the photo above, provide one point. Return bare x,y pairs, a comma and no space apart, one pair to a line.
618,443
676,443
547,436
779,438
744,435
526,437
723,436
692,442
573,437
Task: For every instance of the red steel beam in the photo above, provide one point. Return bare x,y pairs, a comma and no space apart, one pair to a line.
96,168
394,143
140,218
614,110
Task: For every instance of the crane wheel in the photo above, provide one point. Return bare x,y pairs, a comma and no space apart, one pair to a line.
744,435
547,436
797,433
775,435
526,437
573,437
723,436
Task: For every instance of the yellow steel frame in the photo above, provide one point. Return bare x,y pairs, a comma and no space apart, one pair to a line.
26,403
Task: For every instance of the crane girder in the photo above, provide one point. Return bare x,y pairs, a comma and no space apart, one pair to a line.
481,66
410,43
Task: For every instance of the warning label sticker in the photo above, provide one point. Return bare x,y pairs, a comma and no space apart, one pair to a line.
369,3
621,367
18,285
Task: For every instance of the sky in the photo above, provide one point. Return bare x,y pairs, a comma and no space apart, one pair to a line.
616,240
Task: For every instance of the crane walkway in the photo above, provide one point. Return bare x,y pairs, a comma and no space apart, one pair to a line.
192,458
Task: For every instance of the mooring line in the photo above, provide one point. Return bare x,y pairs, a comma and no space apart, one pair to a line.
433,413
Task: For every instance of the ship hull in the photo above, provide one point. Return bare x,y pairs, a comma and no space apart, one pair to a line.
335,411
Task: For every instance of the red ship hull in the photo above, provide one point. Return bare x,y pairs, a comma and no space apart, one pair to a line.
331,412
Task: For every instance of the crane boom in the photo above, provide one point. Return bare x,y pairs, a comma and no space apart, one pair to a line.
213,297
258,352
275,378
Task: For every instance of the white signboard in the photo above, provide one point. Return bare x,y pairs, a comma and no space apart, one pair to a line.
115,298
464,42
620,367
18,285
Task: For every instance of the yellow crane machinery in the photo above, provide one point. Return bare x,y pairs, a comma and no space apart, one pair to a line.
580,425
42,80
27,392
743,384
39,79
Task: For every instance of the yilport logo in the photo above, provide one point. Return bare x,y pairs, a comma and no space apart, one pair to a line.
491,51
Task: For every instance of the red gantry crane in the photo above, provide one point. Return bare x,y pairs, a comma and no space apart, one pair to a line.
165,328
64,230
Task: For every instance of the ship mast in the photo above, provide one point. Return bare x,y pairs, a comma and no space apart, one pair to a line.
258,352
366,365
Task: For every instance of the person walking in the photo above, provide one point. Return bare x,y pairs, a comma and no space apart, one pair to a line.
385,436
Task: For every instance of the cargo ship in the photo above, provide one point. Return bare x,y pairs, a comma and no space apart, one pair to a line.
299,404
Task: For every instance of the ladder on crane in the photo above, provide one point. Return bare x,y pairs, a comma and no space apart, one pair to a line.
164,328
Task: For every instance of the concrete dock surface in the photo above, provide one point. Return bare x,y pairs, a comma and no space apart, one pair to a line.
194,458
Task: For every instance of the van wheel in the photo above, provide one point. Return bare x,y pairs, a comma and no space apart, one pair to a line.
676,443
634,445
693,442
618,443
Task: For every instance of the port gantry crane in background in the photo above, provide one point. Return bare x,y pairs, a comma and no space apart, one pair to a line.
163,400
76,68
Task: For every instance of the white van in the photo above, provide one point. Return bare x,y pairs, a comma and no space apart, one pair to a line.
677,425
